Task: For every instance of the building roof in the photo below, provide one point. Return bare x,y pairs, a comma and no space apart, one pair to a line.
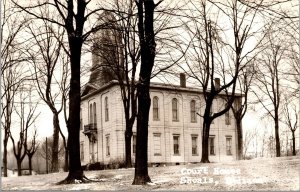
153,86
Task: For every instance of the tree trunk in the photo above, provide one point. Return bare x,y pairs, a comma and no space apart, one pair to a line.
30,164
277,140
147,44
141,176
74,25
73,125
5,157
294,143
19,166
128,135
205,137
66,166
75,170
239,130
55,144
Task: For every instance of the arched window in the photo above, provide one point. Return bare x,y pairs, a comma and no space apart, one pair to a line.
95,115
91,114
155,109
227,118
106,109
193,111
174,109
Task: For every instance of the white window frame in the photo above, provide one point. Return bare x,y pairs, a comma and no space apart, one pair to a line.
196,150
158,135
178,148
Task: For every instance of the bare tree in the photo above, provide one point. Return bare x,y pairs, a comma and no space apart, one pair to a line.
26,114
11,73
31,148
45,152
124,55
72,17
65,97
249,137
115,57
10,84
46,56
127,27
290,29
290,110
269,80
147,45
240,106
214,60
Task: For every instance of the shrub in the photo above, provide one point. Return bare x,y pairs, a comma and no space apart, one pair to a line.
95,166
116,163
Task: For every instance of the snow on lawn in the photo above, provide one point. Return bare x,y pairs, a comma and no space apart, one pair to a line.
258,174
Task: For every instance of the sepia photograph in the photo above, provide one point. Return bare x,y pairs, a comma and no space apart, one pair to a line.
150,95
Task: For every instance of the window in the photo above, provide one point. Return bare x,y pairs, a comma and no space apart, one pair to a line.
91,114
155,109
193,111
227,118
194,145
81,126
156,144
106,109
133,144
107,145
211,143
81,151
228,145
95,116
176,144
174,109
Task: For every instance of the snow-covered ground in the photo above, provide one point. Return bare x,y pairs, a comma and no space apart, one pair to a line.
258,174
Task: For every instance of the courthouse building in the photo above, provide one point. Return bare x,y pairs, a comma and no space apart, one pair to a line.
175,127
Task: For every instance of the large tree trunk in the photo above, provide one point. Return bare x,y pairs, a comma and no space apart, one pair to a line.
147,44
19,166
277,140
75,171
55,144
205,137
141,176
128,135
294,143
73,125
75,39
239,130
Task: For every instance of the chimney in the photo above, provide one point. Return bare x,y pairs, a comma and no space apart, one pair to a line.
182,80
217,84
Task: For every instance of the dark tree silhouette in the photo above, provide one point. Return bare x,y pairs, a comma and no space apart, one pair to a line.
147,45
11,75
290,110
72,16
216,62
240,106
46,53
27,118
31,148
269,80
